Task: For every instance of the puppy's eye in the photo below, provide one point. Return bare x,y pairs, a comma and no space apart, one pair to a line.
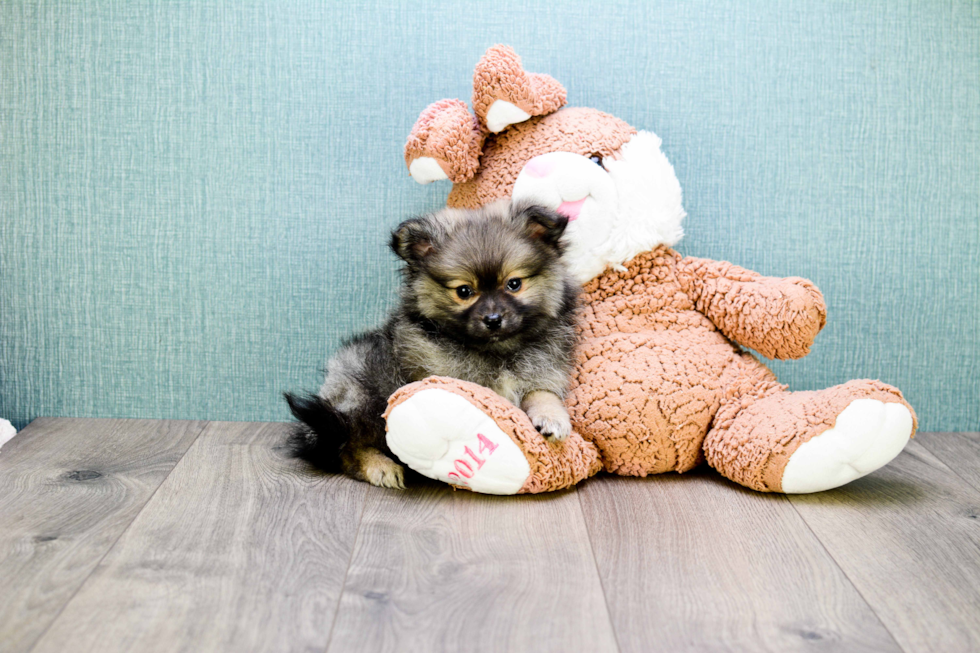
597,159
464,292
513,285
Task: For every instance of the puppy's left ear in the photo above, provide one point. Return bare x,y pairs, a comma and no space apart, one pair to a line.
413,240
541,223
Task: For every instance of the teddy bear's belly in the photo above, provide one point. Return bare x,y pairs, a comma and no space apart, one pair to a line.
647,399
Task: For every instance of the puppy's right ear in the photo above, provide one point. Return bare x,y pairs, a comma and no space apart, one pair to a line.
413,240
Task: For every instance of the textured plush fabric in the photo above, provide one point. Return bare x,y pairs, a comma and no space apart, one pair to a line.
449,134
195,196
655,374
779,318
500,75
758,426
554,465
579,130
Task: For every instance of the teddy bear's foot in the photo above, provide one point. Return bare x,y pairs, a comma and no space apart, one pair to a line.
443,436
7,432
505,94
832,436
445,143
464,434
867,435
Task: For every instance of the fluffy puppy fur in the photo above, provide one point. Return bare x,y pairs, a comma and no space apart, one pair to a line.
485,298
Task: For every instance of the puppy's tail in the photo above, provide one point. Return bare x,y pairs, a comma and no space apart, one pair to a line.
322,432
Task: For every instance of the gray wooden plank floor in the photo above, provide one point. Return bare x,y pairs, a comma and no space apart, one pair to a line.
696,563
908,538
68,490
960,452
126,535
436,570
240,550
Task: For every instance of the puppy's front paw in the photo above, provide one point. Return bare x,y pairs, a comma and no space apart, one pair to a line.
553,426
548,414
380,470
390,475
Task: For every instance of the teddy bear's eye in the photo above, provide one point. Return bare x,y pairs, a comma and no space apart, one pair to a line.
597,159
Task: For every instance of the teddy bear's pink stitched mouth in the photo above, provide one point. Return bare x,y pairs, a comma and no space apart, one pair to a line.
572,209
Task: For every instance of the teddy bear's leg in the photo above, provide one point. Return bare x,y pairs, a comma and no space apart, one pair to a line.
772,440
466,435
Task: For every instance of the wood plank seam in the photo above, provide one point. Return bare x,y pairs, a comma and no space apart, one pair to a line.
595,564
844,573
64,605
901,539
937,453
952,471
343,585
435,570
698,563
242,549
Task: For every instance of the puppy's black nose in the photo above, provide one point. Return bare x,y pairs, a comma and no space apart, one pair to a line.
493,321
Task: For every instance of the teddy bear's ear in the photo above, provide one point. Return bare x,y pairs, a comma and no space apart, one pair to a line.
445,143
504,94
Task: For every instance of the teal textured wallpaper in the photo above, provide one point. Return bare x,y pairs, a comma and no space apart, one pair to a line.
195,196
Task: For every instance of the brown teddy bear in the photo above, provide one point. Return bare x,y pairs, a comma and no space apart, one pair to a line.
661,382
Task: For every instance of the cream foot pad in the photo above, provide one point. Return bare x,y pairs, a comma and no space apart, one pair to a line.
867,435
445,437
466,435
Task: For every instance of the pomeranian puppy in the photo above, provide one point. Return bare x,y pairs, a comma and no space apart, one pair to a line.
485,298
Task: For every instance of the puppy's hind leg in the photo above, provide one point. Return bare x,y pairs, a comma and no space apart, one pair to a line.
548,414
369,464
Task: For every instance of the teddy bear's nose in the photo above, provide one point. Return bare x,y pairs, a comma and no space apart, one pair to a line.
540,166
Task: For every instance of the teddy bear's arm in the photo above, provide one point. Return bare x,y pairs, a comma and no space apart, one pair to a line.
777,317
